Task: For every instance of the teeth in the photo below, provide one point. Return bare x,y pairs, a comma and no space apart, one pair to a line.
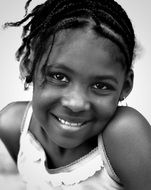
69,124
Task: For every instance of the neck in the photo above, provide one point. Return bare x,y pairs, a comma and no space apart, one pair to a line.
58,156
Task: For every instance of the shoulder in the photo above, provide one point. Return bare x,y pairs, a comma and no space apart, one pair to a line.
10,122
127,121
127,139
11,117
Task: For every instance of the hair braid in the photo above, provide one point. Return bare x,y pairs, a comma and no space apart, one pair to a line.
55,15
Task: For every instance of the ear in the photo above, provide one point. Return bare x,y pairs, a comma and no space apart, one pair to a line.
128,85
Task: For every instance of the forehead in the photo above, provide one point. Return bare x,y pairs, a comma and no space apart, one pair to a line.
79,47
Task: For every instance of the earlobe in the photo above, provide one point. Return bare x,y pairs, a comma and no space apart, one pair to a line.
128,85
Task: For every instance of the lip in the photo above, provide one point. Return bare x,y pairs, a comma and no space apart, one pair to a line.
71,124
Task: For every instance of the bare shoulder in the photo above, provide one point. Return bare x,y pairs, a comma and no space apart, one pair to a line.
127,120
127,139
11,117
10,122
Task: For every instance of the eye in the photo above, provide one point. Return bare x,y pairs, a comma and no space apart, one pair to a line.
57,77
103,86
100,86
60,77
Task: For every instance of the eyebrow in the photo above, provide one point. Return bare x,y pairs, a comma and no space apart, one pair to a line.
59,66
107,77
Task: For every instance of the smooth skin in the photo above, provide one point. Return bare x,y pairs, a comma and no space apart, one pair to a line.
84,81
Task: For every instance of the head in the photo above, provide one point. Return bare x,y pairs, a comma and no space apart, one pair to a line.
78,55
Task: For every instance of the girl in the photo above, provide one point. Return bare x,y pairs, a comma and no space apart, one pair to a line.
73,135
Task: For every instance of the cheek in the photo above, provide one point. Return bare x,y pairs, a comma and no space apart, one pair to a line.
106,108
45,97
43,101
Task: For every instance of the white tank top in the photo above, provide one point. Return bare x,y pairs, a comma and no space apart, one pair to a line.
91,172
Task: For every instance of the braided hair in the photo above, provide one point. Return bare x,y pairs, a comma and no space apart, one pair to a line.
47,19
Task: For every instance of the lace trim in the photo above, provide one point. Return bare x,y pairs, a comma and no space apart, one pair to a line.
73,173
78,175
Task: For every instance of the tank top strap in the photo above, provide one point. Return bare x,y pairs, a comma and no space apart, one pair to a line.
26,119
106,161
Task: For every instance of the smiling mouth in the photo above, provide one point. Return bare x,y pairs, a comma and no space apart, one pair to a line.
70,125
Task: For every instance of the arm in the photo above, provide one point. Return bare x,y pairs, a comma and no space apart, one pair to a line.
10,123
127,139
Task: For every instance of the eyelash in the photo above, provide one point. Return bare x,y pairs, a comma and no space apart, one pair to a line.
54,77
101,85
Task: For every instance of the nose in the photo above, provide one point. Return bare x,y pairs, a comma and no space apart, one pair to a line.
76,100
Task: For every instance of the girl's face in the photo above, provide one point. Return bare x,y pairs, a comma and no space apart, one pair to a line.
84,79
